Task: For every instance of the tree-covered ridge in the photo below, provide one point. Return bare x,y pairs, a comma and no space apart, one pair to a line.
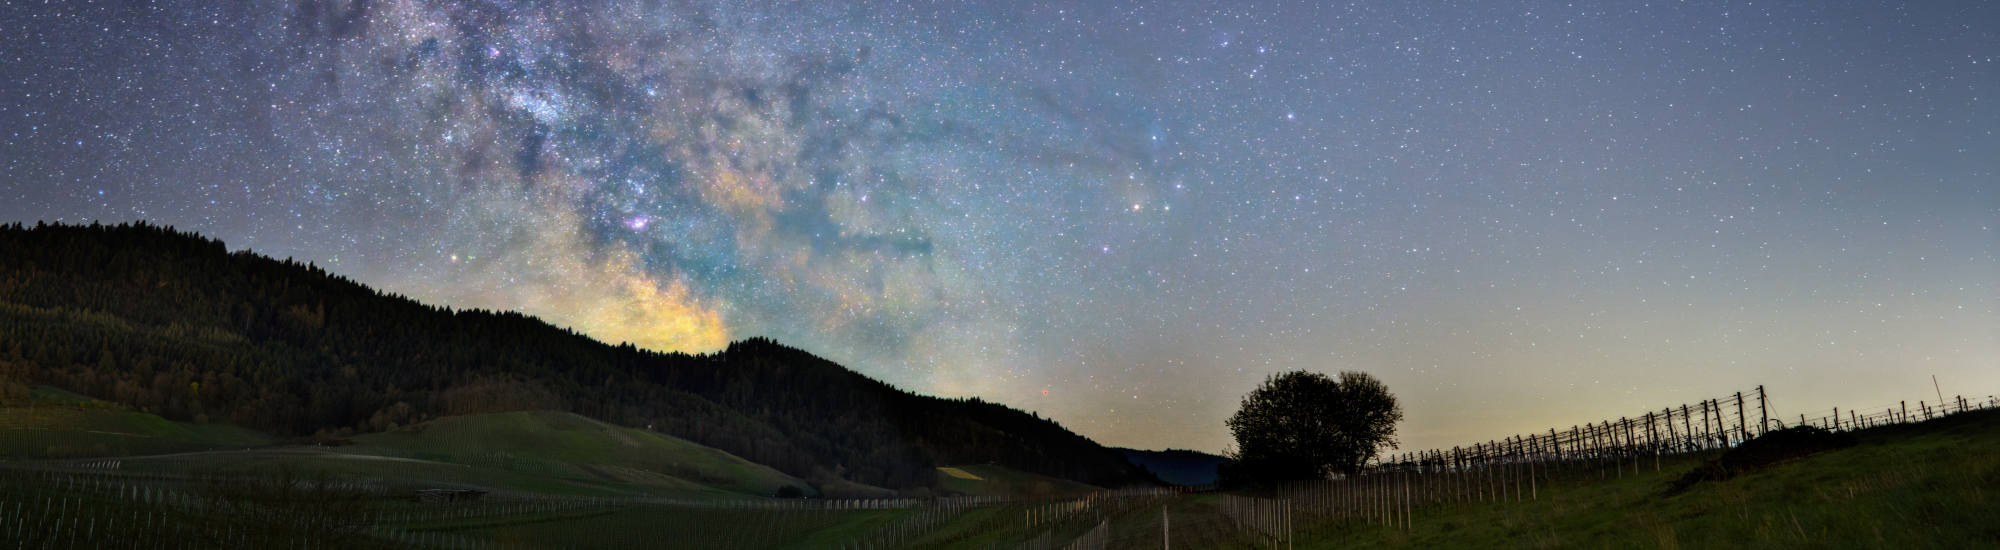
173,323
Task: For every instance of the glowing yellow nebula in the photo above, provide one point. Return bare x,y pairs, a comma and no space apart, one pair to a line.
549,269
653,315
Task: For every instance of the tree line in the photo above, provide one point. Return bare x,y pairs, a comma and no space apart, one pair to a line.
173,323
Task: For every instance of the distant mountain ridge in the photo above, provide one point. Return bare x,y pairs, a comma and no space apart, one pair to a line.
1177,466
174,323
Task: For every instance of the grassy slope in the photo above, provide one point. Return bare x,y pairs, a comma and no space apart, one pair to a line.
547,452
664,527
565,445
1932,485
307,463
65,425
1003,481
1924,486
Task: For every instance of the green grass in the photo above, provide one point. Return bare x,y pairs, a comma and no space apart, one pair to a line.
106,511
1920,486
1007,526
541,452
1930,485
66,425
977,528
534,452
841,488
567,446
1003,481
316,463
670,527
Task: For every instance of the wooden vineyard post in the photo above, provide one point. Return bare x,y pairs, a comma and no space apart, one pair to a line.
1723,431
1344,497
1534,486
1598,451
1392,486
1617,453
1511,449
1475,483
1406,500
1289,533
1487,470
1763,414
1392,482
1906,410
1707,437
1520,463
1578,450
1433,493
1459,466
1378,488
1673,438
1687,426
1457,476
1581,448
1597,447
1710,414
1631,443
1555,450
1479,471
1442,487
1599,439
1741,428
1621,451
1495,489
1482,489
1836,419
1449,465
1363,496
1653,440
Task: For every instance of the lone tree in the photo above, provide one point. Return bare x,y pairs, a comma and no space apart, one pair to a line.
1306,425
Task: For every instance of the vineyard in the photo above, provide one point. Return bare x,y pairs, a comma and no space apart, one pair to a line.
1604,480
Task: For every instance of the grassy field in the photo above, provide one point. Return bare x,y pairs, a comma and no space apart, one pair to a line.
548,452
652,526
568,446
61,425
1928,485
531,452
990,480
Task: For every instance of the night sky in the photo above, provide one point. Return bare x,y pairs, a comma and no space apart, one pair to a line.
1122,216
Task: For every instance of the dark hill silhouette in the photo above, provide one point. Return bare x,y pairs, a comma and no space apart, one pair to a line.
1177,466
174,323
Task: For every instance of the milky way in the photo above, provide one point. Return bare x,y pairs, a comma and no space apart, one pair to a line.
1119,215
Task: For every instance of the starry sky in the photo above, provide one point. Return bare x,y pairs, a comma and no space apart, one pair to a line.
1121,215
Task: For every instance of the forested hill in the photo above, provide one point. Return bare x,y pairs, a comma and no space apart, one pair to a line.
175,324
1178,466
